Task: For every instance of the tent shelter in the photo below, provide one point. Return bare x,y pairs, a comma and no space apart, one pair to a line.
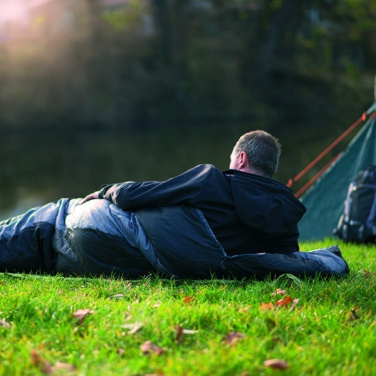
325,199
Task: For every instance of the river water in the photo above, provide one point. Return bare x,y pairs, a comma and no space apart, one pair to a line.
39,165
42,165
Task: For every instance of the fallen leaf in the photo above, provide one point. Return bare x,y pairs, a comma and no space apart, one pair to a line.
367,273
39,362
190,331
62,367
294,304
279,292
188,299
179,333
5,324
284,302
45,367
232,338
116,297
120,351
244,309
352,315
276,364
134,327
80,314
149,348
266,306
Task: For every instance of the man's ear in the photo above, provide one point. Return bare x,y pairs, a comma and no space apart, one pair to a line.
243,160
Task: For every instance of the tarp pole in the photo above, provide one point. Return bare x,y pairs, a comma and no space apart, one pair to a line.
328,149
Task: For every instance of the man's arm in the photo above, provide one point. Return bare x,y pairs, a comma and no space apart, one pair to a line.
289,243
186,188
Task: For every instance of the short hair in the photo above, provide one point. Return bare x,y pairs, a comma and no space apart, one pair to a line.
263,151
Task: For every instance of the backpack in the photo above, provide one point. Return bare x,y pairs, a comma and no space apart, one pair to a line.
358,221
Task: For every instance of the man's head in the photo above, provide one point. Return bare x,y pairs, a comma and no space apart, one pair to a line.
256,152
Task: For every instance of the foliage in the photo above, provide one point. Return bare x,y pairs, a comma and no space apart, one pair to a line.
88,86
86,326
158,61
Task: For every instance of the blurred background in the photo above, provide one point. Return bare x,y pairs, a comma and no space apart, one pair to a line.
101,91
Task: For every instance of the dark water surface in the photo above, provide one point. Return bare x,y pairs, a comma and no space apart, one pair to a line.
41,165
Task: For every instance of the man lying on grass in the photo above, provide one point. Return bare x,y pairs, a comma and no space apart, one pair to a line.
204,222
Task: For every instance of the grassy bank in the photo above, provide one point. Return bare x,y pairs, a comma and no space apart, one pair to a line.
154,326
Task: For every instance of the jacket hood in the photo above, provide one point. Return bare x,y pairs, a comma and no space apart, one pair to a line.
264,204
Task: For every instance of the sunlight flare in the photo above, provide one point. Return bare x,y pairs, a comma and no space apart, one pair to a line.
14,10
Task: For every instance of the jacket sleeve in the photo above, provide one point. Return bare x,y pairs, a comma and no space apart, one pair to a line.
288,243
186,188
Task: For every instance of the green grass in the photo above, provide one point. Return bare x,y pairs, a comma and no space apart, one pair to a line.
330,331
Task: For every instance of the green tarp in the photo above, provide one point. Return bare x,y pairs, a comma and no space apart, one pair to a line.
325,199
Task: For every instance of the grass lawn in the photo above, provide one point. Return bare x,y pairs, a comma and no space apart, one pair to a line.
153,326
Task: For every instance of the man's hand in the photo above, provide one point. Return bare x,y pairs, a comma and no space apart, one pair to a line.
91,196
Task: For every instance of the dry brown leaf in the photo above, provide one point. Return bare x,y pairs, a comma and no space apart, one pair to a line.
353,315
116,297
120,351
39,362
190,331
62,367
45,367
80,314
368,274
5,324
279,292
284,302
276,364
232,338
294,304
188,299
149,348
179,333
134,327
266,306
244,309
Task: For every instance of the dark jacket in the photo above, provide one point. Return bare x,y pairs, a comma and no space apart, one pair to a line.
247,213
